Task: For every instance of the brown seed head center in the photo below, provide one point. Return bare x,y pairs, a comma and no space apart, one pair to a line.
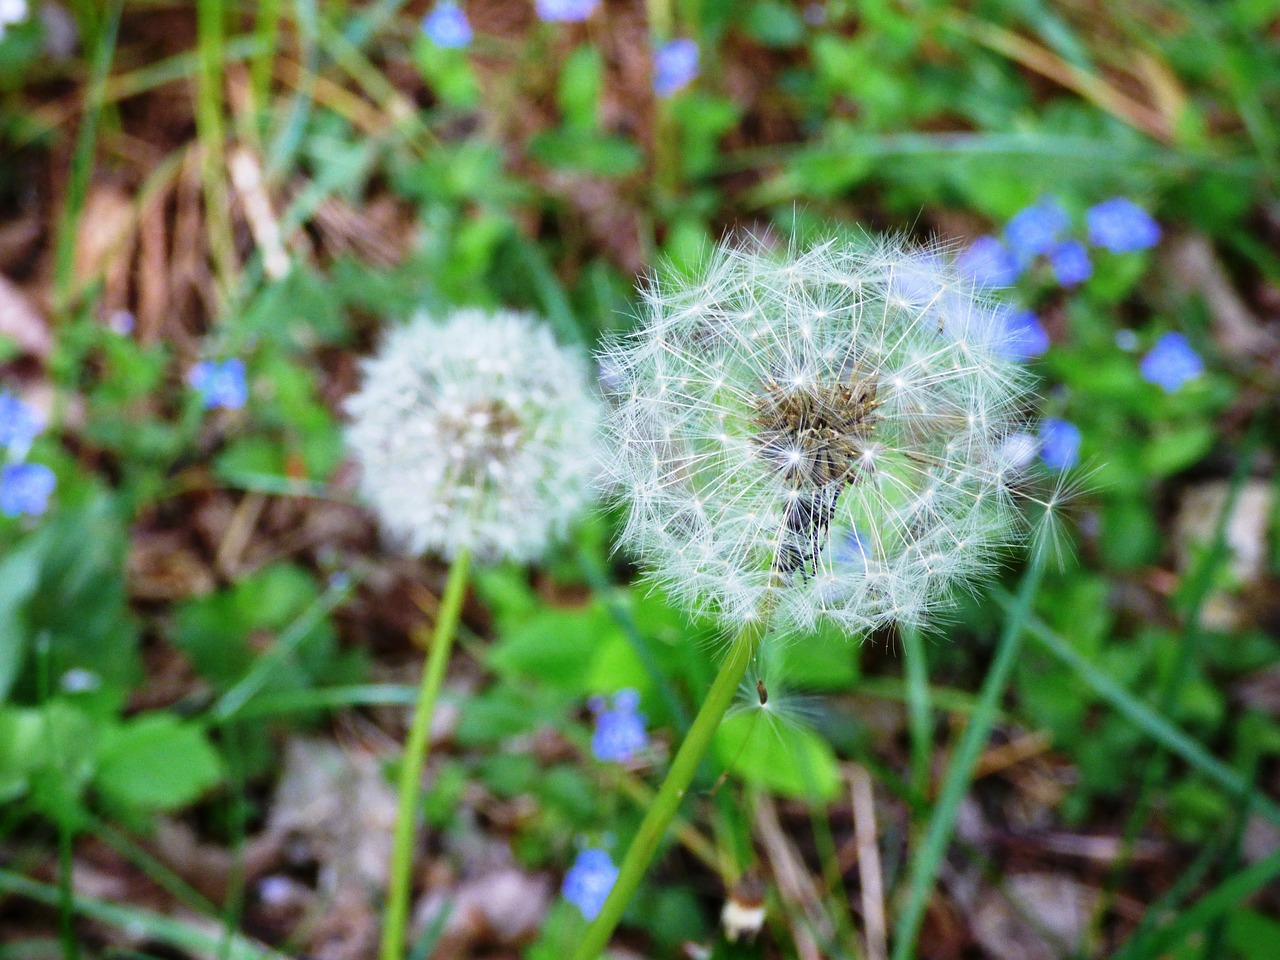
482,435
814,434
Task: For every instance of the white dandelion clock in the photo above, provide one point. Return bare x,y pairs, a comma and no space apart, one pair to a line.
831,434
474,434
475,440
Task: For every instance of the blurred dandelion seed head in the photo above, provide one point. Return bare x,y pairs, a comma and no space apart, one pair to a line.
475,433
765,411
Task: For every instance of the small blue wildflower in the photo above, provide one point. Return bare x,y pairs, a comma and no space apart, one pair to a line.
589,880
1121,226
1034,230
1023,336
1059,443
220,384
1171,363
447,26
989,262
619,733
12,12
1070,263
25,489
19,425
121,322
675,65
79,680
1126,340
565,11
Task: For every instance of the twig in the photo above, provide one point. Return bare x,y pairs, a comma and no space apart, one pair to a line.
870,874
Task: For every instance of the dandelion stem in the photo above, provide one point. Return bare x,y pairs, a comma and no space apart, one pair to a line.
396,915
667,802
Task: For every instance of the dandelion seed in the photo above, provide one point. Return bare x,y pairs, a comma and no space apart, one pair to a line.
866,400
475,433
589,880
1171,363
1121,226
25,489
447,26
220,384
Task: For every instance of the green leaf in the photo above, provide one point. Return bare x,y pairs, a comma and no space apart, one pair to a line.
1176,449
19,574
774,24
786,759
157,762
580,85
557,647
586,151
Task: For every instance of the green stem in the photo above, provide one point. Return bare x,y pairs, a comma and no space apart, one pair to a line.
919,712
924,871
396,916
667,802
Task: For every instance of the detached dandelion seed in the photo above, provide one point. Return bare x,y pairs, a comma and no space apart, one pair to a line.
475,440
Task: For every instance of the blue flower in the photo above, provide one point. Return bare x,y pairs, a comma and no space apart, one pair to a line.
1023,336
675,65
589,880
565,11
25,489
1034,230
1171,363
447,26
990,263
1070,263
19,425
1059,443
619,733
1121,226
220,384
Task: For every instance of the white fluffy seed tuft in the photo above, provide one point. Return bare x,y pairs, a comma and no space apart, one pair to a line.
833,433
475,433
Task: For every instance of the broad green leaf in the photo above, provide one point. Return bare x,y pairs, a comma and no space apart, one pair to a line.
19,574
157,762
784,758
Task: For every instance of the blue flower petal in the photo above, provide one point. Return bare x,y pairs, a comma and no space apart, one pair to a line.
1171,363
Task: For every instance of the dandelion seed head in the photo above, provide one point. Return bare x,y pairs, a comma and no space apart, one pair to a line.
474,433
781,407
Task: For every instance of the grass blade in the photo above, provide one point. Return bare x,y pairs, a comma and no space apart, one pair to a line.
955,785
169,931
